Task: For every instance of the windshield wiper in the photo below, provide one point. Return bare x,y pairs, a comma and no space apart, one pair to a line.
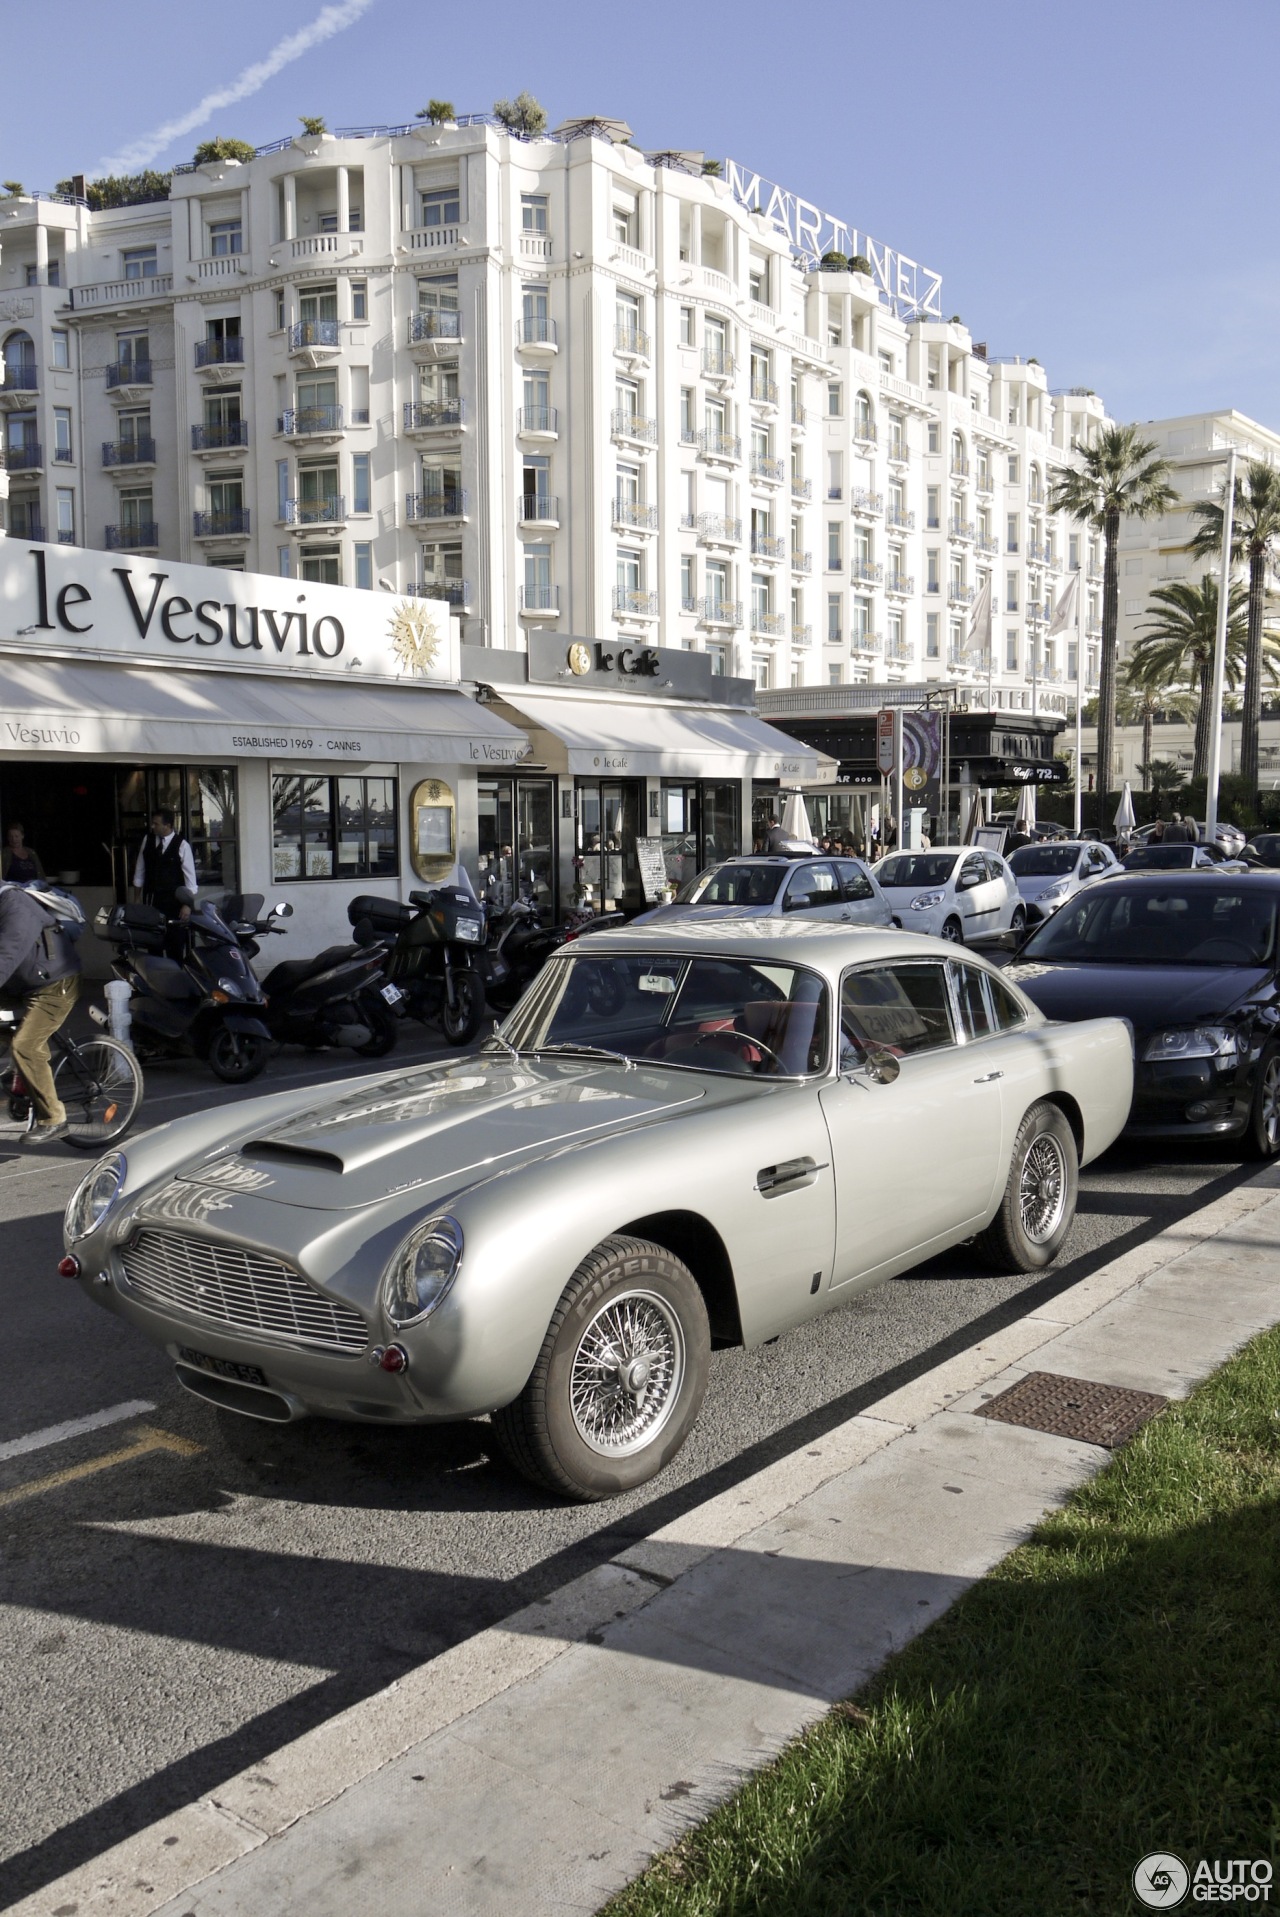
495,1038
569,1049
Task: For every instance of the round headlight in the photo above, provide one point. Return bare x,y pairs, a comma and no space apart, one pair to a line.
422,1271
94,1196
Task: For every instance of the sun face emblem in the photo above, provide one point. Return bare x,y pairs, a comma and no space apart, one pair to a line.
414,637
579,659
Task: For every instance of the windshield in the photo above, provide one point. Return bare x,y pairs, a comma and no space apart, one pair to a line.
733,885
1193,923
1160,858
1044,861
747,1016
917,868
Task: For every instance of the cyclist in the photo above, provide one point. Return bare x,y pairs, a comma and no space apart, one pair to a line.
39,962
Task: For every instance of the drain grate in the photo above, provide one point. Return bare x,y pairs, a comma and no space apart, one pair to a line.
1102,1414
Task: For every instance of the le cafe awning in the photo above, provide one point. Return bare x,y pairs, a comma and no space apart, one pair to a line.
638,738
85,709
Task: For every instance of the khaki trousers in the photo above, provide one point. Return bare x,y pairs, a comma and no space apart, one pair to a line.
46,1011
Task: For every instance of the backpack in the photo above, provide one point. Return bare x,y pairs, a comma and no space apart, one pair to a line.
65,906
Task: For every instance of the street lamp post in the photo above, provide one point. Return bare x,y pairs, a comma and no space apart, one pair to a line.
1220,652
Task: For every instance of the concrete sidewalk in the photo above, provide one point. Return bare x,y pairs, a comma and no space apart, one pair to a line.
538,1767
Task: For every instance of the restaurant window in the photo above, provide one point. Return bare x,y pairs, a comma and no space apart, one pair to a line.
608,819
334,828
203,802
515,836
700,825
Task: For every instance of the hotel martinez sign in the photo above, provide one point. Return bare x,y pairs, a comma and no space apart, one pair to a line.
913,291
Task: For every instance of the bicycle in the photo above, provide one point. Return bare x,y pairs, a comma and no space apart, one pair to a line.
98,1080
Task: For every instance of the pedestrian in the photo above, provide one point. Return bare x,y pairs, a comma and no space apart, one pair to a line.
1176,833
21,862
1156,835
39,963
164,865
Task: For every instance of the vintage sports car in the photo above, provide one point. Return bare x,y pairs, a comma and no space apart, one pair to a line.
680,1136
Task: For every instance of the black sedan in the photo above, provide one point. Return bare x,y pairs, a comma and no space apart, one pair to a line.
1190,959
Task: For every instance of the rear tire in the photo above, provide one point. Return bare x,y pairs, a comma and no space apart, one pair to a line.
1262,1139
236,1057
1039,1201
461,1021
382,1031
620,1378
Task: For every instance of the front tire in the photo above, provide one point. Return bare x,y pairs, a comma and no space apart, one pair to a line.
462,1020
1039,1201
1262,1139
382,1031
1018,924
953,931
236,1057
620,1378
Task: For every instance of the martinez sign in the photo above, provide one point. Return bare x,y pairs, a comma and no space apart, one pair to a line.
55,597
912,290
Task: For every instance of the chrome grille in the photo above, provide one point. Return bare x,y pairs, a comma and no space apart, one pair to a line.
245,1290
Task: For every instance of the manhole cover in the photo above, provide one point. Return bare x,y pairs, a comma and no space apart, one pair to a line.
1075,1408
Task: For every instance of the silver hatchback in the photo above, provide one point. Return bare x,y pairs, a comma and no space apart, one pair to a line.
841,889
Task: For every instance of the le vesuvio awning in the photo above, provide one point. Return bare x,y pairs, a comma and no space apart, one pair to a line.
639,738
87,709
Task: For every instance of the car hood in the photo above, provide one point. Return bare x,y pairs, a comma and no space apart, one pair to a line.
441,1126
1035,888
686,912
1149,996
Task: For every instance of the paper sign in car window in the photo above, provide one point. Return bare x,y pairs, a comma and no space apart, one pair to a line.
883,1010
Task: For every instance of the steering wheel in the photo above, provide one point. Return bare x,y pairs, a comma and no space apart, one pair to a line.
741,1038
1227,949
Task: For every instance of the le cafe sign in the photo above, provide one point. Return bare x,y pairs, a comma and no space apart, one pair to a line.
626,662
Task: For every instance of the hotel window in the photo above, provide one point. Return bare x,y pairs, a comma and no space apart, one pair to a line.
441,207
1011,533
835,675
279,312
760,665
133,354
1011,650
956,652
359,299
835,399
139,263
833,545
282,562
860,622
630,576
933,437
834,627
835,475
442,571
61,347
1013,469
538,590
628,315
360,491
334,828
758,280
66,516
688,582
931,581
224,238
62,435
688,414
1073,551
533,213
716,654
322,565
931,635
364,565
1011,592
933,506
717,583
625,225
282,489
137,515
686,326
226,502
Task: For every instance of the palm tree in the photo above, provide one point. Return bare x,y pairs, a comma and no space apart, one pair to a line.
1118,477
1255,531
1177,643
1141,700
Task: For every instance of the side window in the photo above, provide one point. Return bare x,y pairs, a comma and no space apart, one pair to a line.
1008,1011
904,1007
810,886
975,1020
972,872
854,883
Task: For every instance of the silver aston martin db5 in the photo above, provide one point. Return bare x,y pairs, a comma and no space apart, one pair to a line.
681,1136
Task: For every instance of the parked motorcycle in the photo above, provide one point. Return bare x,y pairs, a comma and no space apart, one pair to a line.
516,948
436,956
342,996
193,990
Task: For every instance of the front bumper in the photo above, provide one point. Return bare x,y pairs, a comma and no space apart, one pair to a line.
1189,1098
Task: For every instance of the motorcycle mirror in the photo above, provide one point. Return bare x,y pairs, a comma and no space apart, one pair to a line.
282,910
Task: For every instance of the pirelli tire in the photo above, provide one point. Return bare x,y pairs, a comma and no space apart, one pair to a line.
620,1378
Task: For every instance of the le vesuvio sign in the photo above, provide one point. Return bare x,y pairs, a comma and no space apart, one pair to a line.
57,597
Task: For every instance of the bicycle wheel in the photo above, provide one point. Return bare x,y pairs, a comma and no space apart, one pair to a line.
100,1083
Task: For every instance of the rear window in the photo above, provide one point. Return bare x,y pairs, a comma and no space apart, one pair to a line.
917,868
1044,861
734,885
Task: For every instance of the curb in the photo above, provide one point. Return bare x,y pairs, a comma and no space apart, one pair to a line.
140,1875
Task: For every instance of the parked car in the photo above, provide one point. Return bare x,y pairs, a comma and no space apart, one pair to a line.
1263,849
956,892
1155,857
1047,875
708,1130
764,887
1190,960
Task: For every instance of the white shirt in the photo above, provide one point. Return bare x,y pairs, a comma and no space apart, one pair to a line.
184,854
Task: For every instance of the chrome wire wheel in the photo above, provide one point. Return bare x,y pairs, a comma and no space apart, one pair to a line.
1042,1188
626,1374
1269,1106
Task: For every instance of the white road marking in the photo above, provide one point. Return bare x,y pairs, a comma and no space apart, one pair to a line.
73,1428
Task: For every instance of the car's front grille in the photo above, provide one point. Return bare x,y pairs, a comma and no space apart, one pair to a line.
245,1290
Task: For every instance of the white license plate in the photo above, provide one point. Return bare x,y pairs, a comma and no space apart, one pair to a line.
392,994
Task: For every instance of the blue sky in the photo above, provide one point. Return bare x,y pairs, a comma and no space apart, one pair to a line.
1095,181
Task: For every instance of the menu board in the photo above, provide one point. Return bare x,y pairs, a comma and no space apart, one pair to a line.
653,869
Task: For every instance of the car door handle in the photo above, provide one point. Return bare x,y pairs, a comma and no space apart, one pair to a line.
987,1078
791,1175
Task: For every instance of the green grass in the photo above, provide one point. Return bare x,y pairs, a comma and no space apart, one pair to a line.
1112,1688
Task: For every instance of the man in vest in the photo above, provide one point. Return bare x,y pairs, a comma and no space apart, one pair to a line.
164,865
38,963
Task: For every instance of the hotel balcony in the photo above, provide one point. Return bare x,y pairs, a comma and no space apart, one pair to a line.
304,514
143,537
635,426
222,437
433,239
801,635
799,420
864,432
634,515
959,595
21,384
631,342
631,603
715,446
540,602
714,529
538,510
27,458
719,612
959,469
537,337
985,486
801,561
866,572
764,392
434,336
718,365
424,508
768,546
129,453
897,652
901,583
220,360
869,505
985,544
899,452
768,625
454,592
315,342
538,422
143,290
233,525
433,416
963,529
801,488
899,517
768,470
311,423
868,644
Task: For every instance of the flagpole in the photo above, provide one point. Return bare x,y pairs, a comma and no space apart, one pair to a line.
1080,679
1220,653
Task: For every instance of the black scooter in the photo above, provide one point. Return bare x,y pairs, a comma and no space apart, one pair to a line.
193,991
340,997
436,957
517,947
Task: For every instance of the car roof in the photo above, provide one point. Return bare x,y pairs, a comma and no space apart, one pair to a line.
777,858
816,943
1206,878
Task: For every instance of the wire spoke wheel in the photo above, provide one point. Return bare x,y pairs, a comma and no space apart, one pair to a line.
100,1084
1042,1188
626,1373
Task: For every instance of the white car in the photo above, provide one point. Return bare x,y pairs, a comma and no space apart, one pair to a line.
1049,874
957,892
766,887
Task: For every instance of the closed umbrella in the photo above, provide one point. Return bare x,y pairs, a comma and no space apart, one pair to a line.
977,817
1024,818
1126,819
795,820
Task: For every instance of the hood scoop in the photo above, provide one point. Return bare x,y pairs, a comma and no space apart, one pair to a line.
278,1151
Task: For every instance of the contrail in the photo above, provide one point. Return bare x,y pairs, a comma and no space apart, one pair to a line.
328,21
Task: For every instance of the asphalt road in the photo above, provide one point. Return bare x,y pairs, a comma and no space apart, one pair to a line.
182,1596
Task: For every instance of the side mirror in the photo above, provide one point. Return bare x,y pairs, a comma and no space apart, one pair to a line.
282,910
883,1066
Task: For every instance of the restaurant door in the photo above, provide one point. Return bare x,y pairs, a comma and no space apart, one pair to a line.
516,842
90,818
701,824
608,821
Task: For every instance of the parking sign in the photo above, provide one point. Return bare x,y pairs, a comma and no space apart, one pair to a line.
886,755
